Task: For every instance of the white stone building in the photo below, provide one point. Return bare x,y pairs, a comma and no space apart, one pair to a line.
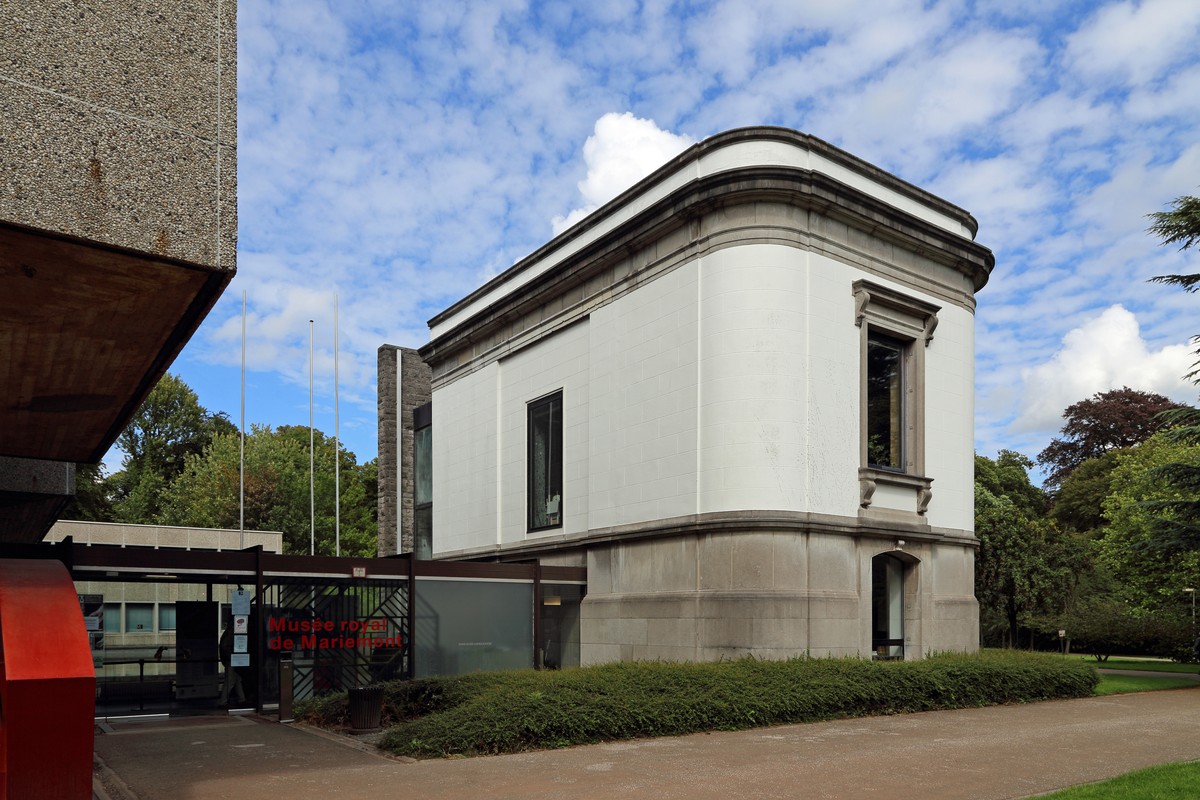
741,394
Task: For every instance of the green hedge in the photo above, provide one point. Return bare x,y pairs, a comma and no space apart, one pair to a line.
505,712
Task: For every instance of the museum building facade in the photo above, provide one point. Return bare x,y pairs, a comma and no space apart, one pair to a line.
740,394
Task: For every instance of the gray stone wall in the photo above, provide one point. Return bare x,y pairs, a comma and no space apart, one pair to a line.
121,124
388,358
396,404
714,596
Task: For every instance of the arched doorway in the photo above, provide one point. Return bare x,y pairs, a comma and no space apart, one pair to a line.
887,607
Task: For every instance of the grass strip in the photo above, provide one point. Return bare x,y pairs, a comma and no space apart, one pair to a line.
1145,666
1126,684
1166,782
505,712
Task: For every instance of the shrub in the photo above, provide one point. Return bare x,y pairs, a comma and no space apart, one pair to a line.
507,712
1107,627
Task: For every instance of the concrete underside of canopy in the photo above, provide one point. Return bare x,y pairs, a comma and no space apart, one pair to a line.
86,330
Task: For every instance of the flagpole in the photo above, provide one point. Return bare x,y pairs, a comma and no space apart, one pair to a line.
337,455
242,443
312,502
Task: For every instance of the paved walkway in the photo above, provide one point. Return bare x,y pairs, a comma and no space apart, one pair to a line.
975,754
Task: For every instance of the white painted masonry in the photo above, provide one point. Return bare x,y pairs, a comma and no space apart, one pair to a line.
706,330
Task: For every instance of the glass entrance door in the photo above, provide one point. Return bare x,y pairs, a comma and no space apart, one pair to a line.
887,607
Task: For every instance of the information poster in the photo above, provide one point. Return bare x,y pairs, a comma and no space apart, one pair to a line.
240,600
92,606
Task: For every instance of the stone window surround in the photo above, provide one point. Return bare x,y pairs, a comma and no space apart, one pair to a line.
889,312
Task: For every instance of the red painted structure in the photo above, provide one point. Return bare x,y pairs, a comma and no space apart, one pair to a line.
47,685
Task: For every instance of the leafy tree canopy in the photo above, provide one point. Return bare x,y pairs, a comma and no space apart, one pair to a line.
91,501
1177,525
1026,567
168,427
1180,225
1008,476
277,495
1079,501
1147,576
1105,421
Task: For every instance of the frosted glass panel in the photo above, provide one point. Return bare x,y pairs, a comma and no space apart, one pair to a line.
472,626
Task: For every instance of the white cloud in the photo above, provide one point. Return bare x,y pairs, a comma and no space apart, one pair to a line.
621,151
1135,40
908,112
401,154
1104,353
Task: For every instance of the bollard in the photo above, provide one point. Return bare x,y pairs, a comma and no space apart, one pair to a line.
285,687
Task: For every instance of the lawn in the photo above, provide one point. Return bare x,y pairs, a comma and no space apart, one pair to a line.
1168,782
1143,665
1124,684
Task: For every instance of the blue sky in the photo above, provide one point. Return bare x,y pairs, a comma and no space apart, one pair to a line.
398,154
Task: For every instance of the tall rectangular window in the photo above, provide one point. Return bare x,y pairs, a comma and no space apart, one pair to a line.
112,617
895,329
166,616
423,481
885,402
545,463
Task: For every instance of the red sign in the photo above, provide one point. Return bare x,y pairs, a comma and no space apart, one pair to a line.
327,634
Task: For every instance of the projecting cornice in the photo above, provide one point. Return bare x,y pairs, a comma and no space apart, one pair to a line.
791,206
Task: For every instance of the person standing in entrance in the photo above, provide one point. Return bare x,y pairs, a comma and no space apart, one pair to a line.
233,681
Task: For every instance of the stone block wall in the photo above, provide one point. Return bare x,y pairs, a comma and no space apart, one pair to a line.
404,384
714,596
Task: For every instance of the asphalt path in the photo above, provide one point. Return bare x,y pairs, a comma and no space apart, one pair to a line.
974,754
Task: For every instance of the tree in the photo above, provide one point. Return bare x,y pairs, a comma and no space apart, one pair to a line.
1148,576
1105,421
168,427
1103,627
1177,527
91,501
206,494
1079,501
1026,567
1008,476
1180,225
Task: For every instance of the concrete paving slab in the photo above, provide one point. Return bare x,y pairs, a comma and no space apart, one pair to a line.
975,754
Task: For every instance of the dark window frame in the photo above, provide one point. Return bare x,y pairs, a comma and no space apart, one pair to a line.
422,535
548,448
898,409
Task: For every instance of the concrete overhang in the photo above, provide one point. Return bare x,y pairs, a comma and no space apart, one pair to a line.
86,330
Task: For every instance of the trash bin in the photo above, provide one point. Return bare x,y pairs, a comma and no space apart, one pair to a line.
366,708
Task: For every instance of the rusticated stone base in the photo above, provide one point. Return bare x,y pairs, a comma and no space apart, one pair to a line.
712,596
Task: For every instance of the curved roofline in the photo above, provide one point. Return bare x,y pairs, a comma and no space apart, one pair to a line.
816,145
693,154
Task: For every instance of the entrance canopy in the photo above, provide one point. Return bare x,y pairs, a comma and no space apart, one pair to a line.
335,623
